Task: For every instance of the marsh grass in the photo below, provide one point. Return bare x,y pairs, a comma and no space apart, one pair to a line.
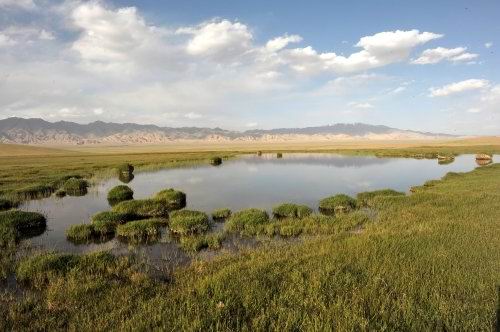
290,210
15,225
198,242
143,208
365,199
141,231
174,199
187,222
81,234
125,168
113,217
60,193
279,155
247,221
75,187
337,204
6,204
221,215
216,161
119,194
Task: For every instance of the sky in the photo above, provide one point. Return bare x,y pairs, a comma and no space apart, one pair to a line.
427,65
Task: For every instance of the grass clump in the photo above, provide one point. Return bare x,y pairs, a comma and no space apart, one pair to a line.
143,208
246,221
60,193
141,231
119,194
186,222
83,233
221,214
75,187
113,217
279,155
290,210
15,225
366,198
337,204
215,161
199,242
6,204
174,199
125,168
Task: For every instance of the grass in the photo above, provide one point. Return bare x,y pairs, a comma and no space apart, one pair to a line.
279,155
174,199
246,221
119,194
113,217
15,225
143,208
216,161
6,204
290,210
125,168
220,215
337,204
80,234
75,186
429,261
365,198
198,242
187,222
141,231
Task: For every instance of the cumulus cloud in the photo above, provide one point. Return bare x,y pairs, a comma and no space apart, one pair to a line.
439,54
280,43
488,44
459,87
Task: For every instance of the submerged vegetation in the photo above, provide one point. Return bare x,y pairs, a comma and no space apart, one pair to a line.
187,222
119,194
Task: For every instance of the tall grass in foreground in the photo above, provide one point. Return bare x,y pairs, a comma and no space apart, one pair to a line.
430,261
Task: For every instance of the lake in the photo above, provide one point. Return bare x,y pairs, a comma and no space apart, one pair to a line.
243,182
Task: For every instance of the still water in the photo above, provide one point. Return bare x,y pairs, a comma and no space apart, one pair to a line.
247,181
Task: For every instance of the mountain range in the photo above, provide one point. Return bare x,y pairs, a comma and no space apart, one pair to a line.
39,131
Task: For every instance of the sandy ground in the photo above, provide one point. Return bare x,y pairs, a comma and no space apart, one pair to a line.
180,146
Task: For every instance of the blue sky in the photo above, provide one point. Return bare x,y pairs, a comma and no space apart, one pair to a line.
428,65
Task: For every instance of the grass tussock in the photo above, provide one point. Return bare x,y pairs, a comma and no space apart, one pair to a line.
215,161
187,222
15,225
221,215
119,194
290,210
365,198
6,204
141,231
246,221
337,204
199,242
174,199
75,187
113,217
125,168
143,208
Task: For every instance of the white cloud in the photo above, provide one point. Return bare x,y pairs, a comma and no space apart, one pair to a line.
6,41
378,50
46,35
193,116
488,44
251,124
280,43
459,87
474,110
439,54
218,38
360,105
398,89
98,111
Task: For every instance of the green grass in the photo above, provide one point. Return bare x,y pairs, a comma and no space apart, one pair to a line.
220,215
246,221
119,194
125,168
6,204
290,210
186,222
174,199
83,233
141,231
337,204
113,217
199,242
75,186
143,208
365,198
216,161
15,225
429,261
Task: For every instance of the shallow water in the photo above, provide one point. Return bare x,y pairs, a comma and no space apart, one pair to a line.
247,181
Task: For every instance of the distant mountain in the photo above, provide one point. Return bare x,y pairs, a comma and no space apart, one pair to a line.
39,131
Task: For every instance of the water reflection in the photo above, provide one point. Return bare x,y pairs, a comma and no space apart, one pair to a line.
249,181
